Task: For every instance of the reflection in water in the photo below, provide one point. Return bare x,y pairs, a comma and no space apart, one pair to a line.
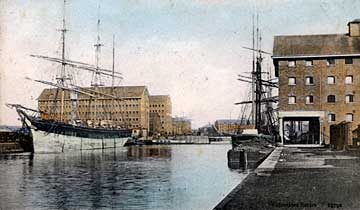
244,161
148,177
150,151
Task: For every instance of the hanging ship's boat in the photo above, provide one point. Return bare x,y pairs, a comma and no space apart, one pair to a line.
58,134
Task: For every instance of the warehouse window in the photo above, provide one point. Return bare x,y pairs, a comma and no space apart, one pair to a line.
309,99
331,80
308,62
309,80
331,99
292,100
349,98
331,117
348,61
292,63
348,79
330,61
292,81
349,117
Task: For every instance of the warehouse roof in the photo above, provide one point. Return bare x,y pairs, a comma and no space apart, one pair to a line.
315,45
118,91
159,98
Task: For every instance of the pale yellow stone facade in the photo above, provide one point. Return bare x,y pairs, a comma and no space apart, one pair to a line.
130,109
161,104
181,126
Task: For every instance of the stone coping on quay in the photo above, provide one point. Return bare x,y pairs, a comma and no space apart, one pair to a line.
263,169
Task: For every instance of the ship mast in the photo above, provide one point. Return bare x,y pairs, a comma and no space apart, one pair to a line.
96,80
61,79
113,79
257,82
96,74
113,63
253,74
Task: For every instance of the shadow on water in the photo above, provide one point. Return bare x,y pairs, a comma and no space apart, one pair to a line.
139,152
244,161
137,177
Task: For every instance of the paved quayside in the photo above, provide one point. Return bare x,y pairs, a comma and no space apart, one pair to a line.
300,178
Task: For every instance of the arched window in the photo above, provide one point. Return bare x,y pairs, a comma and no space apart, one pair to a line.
309,99
292,81
349,98
292,100
348,79
309,80
332,117
331,99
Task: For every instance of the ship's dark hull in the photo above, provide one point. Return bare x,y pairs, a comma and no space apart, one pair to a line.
249,150
79,131
56,137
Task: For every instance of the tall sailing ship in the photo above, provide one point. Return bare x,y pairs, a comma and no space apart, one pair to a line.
56,133
252,146
262,114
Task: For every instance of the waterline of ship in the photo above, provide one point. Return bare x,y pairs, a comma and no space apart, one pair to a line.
55,143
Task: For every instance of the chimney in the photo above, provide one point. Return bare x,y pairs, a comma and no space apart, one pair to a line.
354,27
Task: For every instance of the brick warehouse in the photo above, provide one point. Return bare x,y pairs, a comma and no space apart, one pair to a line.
319,84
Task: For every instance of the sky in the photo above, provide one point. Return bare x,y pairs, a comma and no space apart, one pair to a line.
191,50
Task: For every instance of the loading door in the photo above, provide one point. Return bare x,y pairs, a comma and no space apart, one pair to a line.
301,130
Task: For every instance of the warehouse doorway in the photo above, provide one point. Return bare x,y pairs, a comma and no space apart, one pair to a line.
301,130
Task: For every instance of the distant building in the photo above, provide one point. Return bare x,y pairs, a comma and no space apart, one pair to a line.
319,84
131,110
155,124
181,126
207,130
161,104
227,126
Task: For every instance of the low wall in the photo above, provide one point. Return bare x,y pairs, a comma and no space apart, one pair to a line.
193,139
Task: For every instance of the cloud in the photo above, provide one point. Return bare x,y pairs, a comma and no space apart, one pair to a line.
188,49
210,2
200,76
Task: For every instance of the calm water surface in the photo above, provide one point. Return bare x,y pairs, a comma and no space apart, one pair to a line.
148,177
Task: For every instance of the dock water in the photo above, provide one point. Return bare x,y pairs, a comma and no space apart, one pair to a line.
184,140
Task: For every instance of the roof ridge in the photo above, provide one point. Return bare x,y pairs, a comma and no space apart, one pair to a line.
302,35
